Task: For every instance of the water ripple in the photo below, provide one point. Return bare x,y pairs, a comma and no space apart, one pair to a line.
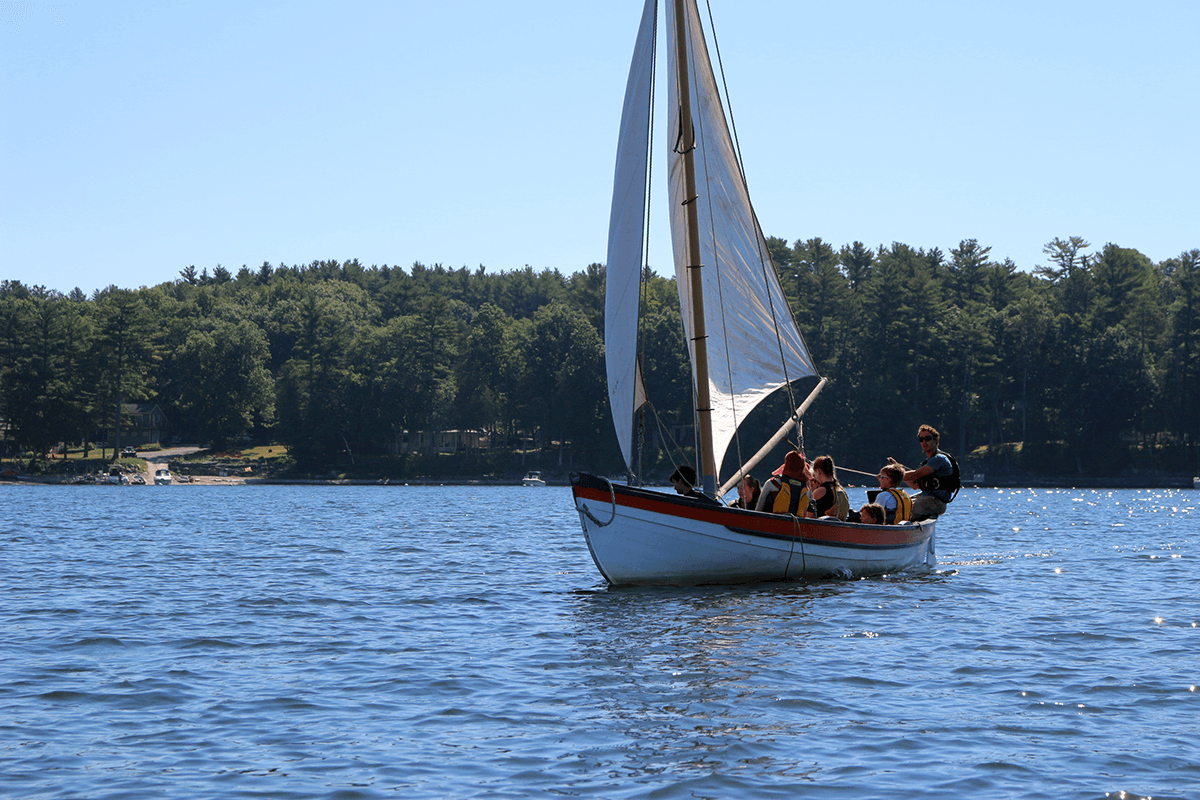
364,642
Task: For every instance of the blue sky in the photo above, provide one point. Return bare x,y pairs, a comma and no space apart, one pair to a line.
139,138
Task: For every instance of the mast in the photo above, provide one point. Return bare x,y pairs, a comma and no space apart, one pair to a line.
687,144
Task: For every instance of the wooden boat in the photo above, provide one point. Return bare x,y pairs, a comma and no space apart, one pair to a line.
736,319
642,537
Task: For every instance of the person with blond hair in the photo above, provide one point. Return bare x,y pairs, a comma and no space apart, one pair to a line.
897,505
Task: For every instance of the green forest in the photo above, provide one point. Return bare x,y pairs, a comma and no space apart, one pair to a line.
1088,364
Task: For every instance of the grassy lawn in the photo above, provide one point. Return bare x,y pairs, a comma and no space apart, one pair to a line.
265,453
76,453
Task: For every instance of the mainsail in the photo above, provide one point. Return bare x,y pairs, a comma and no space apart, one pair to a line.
749,322
754,346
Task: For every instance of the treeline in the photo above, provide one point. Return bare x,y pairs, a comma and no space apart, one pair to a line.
1089,362
328,358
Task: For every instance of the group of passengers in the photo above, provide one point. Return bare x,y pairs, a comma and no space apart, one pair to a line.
812,490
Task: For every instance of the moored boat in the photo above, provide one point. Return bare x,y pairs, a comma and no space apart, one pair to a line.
735,317
533,478
162,477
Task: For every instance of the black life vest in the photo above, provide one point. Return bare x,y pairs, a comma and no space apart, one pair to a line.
835,502
947,483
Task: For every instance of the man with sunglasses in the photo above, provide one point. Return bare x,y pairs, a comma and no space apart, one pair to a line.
937,477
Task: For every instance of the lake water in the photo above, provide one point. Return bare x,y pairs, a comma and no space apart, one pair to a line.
458,642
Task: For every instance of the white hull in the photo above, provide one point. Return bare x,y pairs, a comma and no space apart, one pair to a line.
638,537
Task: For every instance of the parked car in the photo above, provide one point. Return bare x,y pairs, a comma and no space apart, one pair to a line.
129,452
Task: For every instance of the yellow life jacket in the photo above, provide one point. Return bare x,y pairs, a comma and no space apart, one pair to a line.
792,497
903,504
843,504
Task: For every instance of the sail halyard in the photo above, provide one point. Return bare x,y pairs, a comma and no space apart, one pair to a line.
626,239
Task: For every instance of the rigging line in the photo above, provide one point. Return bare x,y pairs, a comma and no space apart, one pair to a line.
665,432
764,258
856,471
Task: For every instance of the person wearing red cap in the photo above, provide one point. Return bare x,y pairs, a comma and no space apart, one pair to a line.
787,490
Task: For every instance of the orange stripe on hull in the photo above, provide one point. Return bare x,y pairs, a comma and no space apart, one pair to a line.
830,532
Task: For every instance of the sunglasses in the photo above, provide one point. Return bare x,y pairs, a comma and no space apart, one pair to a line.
924,438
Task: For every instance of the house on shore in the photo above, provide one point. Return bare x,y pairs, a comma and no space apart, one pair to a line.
141,423
440,441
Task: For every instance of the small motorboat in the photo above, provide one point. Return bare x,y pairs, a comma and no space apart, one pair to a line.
533,478
162,477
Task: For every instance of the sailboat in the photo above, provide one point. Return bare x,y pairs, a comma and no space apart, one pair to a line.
743,343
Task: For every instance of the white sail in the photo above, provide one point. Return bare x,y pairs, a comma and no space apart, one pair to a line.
626,231
748,319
